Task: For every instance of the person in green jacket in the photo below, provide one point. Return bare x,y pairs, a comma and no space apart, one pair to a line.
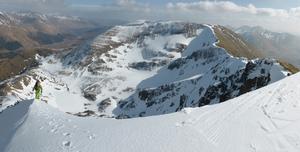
38,89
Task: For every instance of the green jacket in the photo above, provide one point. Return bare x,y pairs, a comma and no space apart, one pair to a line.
38,88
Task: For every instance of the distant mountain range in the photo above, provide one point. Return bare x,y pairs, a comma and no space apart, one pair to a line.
283,46
22,35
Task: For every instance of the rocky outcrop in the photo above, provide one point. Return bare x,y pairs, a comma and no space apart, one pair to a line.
148,66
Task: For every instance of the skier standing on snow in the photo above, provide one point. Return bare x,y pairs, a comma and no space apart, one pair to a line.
38,89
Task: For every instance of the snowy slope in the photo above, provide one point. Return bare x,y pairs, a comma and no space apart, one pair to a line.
111,66
264,120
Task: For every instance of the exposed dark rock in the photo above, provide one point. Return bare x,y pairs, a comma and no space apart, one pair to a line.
182,102
178,48
85,113
90,96
128,89
104,104
177,63
98,68
122,116
148,65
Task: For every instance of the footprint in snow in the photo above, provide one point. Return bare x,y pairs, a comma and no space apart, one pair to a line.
66,134
186,123
91,137
180,124
50,123
66,143
187,110
54,130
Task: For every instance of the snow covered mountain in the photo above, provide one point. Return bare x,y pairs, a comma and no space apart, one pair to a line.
147,68
264,120
283,46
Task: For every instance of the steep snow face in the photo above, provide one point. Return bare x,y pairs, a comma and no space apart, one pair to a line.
263,120
206,74
146,68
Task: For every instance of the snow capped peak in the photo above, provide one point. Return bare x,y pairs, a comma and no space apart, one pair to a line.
204,40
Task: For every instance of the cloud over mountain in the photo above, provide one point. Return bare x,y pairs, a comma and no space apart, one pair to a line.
231,7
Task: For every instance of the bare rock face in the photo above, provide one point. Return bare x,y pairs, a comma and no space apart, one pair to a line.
148,66
90,96
104,104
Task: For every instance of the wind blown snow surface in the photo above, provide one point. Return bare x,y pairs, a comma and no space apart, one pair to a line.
265,120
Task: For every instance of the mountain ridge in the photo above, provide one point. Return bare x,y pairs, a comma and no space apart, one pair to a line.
22,35
126,71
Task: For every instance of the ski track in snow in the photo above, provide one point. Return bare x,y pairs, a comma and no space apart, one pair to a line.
215,129
263,120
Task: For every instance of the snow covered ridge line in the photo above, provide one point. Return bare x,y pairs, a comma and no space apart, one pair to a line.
265,120
150,68
217,83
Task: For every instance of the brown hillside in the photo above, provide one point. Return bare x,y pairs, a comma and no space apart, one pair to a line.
238,47
234,44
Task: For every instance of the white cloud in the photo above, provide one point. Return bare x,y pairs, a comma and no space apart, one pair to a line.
230,7
35,2
203,11
132,5
295,11
126,2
